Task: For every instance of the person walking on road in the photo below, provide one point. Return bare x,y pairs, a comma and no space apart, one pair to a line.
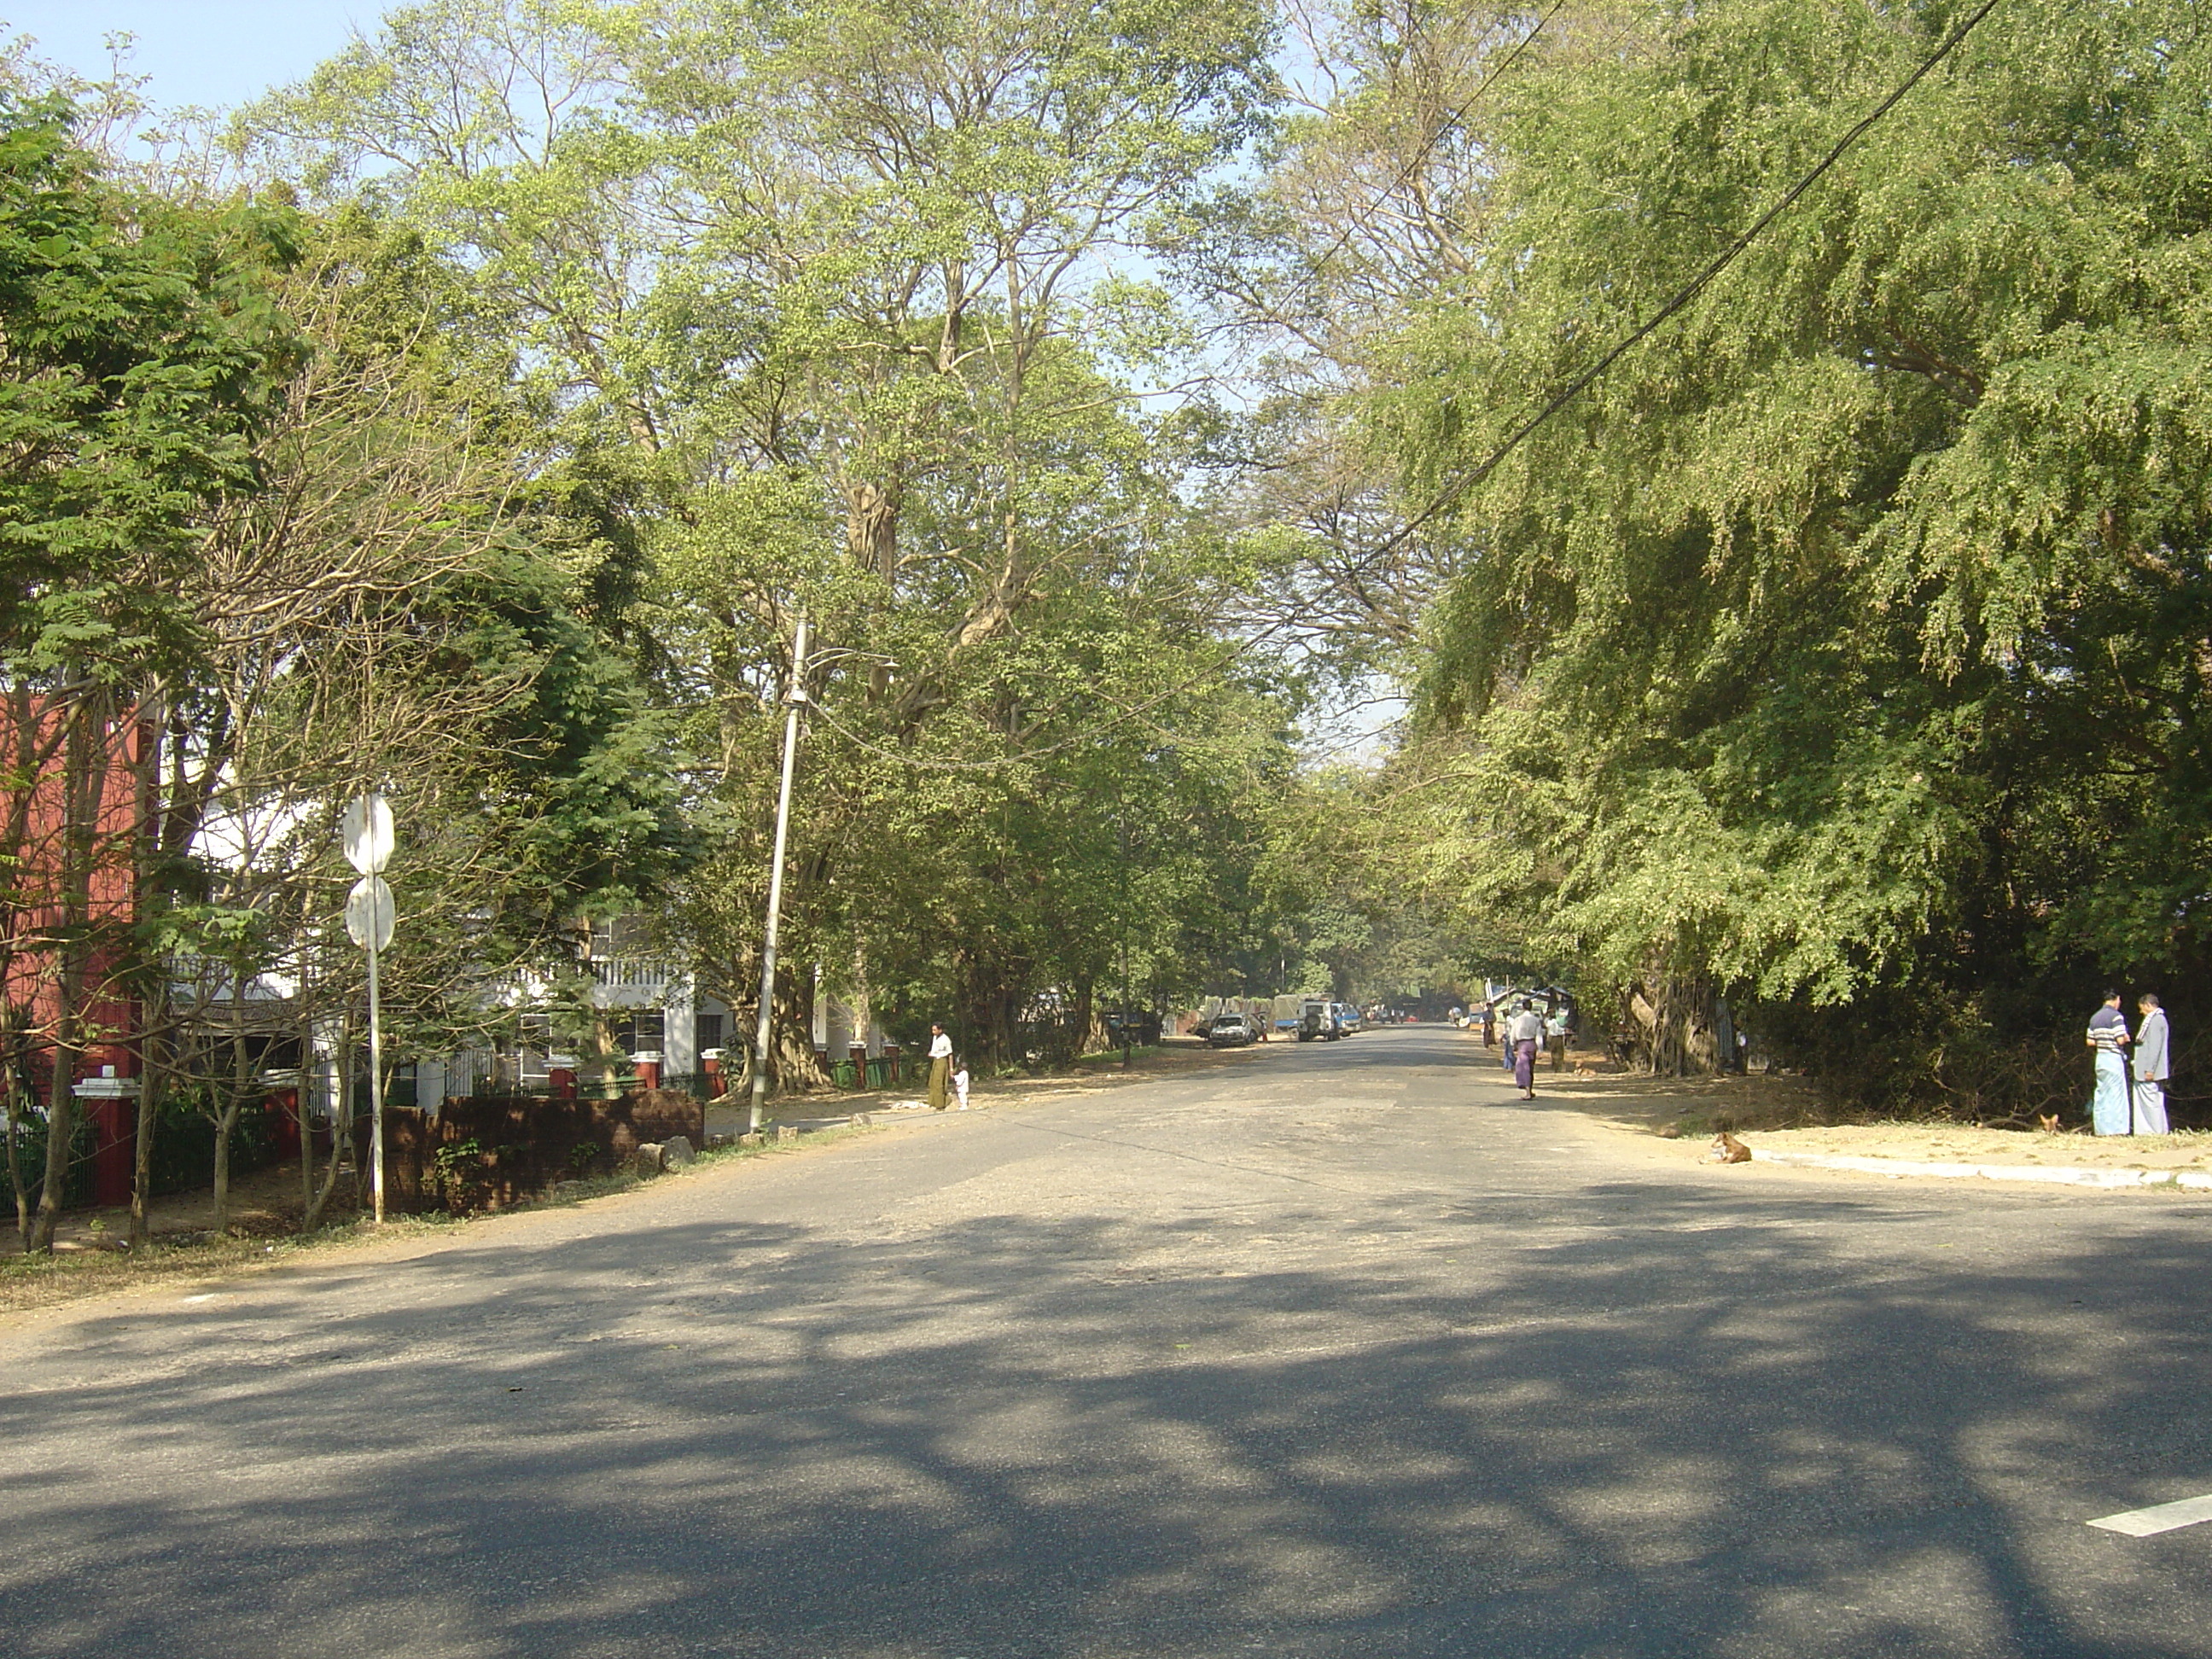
960,1082
1525,1035
940,1067
2154,1064
1555,1037
1489,1026
2108,1036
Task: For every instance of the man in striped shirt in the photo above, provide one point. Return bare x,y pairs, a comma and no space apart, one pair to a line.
2111,1109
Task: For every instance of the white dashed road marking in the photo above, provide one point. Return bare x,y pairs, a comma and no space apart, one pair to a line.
2164,1517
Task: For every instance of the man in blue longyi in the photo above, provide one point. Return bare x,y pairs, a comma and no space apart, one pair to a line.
2109,1110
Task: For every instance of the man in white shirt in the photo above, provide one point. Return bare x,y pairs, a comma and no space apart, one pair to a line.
940,1067
1555,1038
2154,1064
1525,1035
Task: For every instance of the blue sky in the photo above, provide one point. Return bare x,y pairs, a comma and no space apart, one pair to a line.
214,54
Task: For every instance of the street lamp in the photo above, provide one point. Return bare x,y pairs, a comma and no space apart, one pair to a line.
1122,827
794,703
795,699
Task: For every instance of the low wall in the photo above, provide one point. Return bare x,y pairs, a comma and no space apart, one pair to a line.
485,1151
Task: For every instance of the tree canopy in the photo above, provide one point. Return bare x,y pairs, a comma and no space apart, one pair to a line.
1845,640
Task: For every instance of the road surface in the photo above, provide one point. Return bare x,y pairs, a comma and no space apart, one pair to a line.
1332,1349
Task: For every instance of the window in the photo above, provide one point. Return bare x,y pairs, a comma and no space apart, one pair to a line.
706,1032
642,1028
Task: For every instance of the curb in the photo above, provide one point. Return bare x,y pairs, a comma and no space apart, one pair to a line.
1894,1167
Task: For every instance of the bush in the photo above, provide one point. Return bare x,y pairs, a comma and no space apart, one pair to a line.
183,1143
31,1160
1894,1055
184,1150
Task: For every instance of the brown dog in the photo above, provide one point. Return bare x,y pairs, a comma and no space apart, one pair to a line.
1727,1149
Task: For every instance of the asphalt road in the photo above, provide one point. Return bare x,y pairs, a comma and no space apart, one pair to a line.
1333,1350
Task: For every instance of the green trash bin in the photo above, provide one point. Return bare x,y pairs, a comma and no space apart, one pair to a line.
879,1073
841,1072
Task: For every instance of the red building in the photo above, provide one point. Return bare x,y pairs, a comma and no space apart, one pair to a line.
77,784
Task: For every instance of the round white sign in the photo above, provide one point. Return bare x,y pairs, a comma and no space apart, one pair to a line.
370,913
365,833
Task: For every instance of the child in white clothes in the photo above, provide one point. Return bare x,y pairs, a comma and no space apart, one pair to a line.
960,1082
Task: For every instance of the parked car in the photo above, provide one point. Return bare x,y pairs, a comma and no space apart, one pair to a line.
1230,1032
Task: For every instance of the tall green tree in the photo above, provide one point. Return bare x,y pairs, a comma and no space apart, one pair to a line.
1844,646
818,306
142,354
394,608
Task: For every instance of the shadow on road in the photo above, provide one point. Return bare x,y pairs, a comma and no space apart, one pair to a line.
1620,1425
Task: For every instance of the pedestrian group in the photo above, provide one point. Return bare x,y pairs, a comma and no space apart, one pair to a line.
2121,1107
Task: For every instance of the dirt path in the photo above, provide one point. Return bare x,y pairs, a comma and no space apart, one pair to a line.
1781,1113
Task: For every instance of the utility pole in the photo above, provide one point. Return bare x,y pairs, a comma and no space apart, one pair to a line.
794,700
1122,823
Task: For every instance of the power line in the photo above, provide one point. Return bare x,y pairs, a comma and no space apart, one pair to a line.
1457,490
1429,145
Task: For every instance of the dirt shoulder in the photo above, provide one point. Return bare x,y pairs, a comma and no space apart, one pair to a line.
90,1260
1784,1115
32,1286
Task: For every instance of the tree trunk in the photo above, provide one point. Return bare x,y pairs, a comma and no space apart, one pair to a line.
61,1131
1673,1023
151,1082
27,755
154,981
1089,1020
794,1065
84,780
341,1132
226,1118
11,1102
299,1110
864,1007
603,1069
595,1077
872,514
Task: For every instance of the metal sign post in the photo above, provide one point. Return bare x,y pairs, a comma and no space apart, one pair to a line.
366,834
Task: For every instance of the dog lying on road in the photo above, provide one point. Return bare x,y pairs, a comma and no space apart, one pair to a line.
1727,1149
